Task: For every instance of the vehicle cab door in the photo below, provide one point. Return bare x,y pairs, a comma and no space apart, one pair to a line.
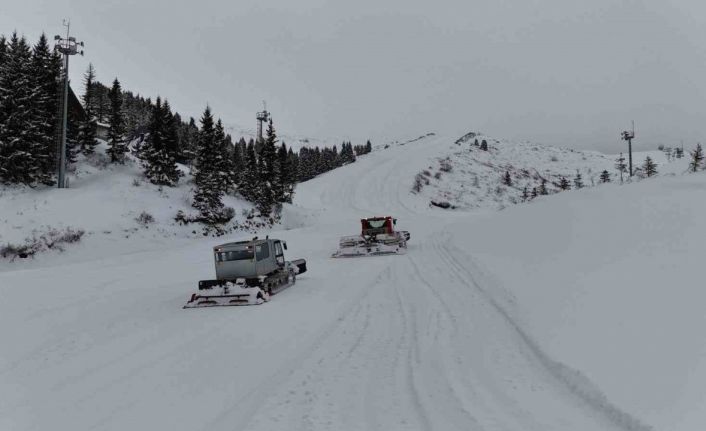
279,254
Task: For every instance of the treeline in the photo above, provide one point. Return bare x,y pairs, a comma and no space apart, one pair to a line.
28,107
264,173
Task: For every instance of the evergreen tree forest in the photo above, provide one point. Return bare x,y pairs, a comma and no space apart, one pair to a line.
31,91
28,105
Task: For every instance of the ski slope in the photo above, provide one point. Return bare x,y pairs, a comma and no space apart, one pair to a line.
473,329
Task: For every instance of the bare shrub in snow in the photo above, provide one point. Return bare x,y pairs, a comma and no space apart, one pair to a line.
136,182
554,159
144,218
426,173
442,204
418,183
53,239
437,175
222,216
445,165
420,180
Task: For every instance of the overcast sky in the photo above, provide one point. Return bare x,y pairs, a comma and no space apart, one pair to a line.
571,73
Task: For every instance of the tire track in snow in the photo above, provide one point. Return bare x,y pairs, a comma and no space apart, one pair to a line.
450,375
568,378
410,355
246,408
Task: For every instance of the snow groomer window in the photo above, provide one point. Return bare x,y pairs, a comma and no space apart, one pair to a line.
227,256
262,251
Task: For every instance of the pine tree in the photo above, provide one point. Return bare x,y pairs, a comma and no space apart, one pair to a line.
525,194
269,174
543,188
264,199
72,146
87,126
287,178
18,127
189,142
564,184
507,179
225,167
534,193
158,153
347,154
3,49
578,180
621,166
351,153
45,70
680,153
238,162
251,176
649,167
335,159
207,196
171,134
697,157
3,57
117,146
605,177
484,145
368,146
293,167
304,167
101,95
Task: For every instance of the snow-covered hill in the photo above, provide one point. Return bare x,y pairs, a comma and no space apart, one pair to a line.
466,177
579,311
117,208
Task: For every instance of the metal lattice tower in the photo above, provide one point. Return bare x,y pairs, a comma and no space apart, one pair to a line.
629,136
68,47
262,117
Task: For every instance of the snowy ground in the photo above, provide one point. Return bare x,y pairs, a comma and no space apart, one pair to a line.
580,311
105,201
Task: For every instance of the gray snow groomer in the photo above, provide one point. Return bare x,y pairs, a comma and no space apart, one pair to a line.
247,273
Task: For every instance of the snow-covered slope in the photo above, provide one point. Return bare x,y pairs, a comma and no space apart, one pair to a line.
554,315
106,201
466,177
609,280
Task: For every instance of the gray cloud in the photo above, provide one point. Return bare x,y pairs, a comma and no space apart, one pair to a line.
571,73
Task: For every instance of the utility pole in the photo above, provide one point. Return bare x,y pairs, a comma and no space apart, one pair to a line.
66,46
629,136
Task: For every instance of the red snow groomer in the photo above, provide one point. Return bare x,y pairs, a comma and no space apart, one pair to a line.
378,236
